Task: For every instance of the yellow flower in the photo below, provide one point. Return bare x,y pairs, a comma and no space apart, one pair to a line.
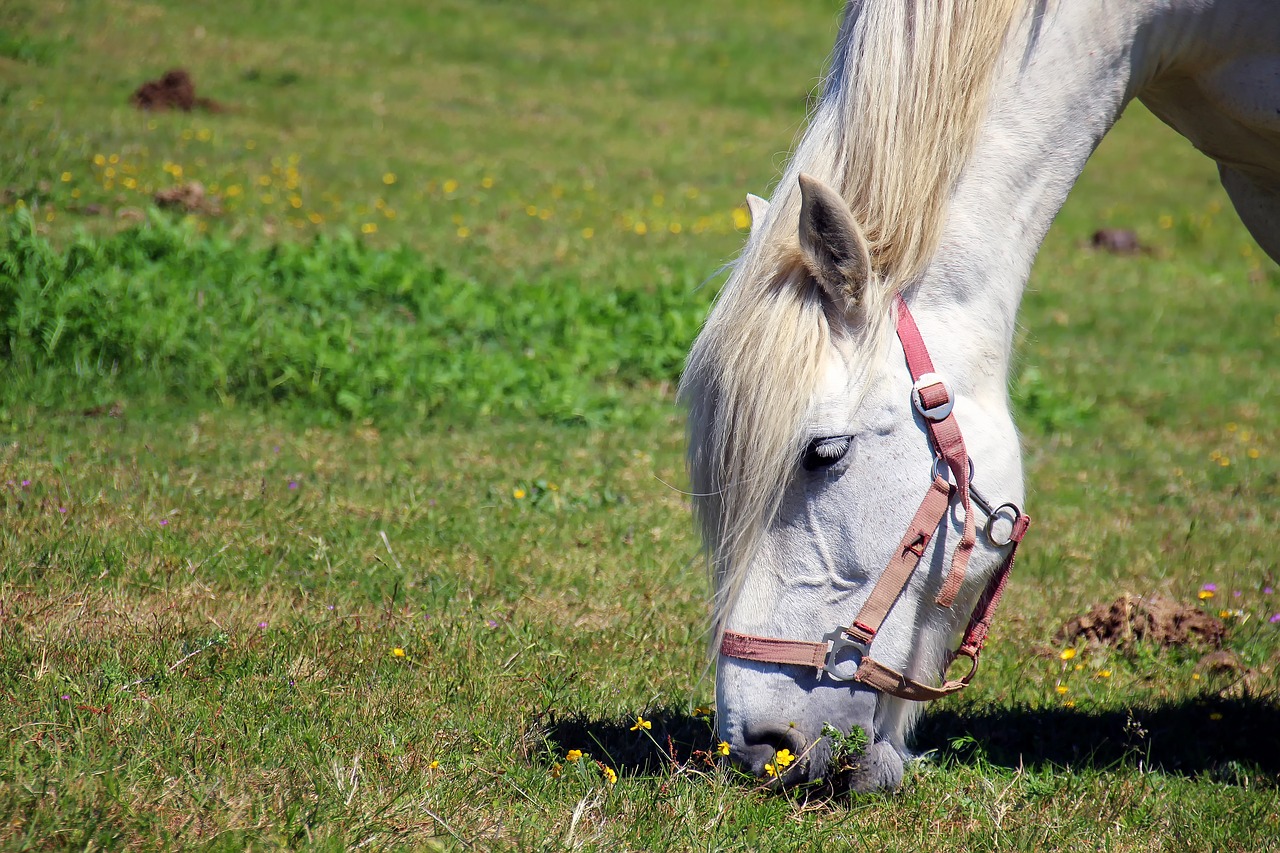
741,219
641,723
702,711
398,652
486,182
723,747
1104,673
1067,654
783,758
1061,688
435,765
770,770
450,186
1206,594
518,494
389,178
369,228
556,770
573,755
66,177
609,776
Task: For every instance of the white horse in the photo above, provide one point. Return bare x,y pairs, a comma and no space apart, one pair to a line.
947,137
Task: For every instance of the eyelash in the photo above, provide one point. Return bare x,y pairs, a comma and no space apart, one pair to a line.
825,452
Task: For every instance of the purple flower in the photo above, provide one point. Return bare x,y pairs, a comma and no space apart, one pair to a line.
164,522
330,606
262,624
1210,587
293,484
275,449
1275,617
492,623
26,483
1266,590
62,509
1235,593
66,697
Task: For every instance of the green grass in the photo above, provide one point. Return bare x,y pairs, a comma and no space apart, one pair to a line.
208,569
331,324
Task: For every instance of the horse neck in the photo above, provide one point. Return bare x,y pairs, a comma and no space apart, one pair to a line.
1066,76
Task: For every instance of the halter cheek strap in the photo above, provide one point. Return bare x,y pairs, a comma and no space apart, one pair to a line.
845,653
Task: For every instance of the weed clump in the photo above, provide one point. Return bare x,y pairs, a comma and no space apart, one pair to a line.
333,324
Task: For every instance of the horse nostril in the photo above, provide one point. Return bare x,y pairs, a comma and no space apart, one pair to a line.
762,743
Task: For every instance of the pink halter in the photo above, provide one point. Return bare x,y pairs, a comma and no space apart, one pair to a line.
844,654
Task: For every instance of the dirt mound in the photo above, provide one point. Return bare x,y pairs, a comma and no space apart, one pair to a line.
1120,241
174,91
189,197
1158,620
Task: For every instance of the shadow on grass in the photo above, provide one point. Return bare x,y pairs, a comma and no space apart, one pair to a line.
1223,738
674,736
1227,739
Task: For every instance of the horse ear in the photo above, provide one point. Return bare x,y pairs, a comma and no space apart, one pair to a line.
758,208
833,247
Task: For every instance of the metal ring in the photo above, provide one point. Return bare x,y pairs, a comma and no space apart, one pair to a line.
939,463
1015,513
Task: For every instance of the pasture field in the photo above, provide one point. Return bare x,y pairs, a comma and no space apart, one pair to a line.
345,511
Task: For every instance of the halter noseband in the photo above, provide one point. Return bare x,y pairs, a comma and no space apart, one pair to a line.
845,653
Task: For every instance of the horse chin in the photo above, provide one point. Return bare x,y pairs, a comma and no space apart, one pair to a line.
880,768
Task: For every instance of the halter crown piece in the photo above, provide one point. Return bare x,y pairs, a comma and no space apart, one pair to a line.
844,654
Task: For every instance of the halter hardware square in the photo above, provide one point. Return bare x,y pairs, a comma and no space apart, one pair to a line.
839,642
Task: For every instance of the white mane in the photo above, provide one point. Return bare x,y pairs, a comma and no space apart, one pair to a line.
902,103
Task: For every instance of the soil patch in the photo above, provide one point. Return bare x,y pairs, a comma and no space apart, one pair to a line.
189,198
174,91
1119,241
1157,620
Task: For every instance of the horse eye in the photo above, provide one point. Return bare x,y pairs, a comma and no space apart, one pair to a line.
825,452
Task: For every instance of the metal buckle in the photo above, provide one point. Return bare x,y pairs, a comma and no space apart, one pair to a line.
839,642
937,413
